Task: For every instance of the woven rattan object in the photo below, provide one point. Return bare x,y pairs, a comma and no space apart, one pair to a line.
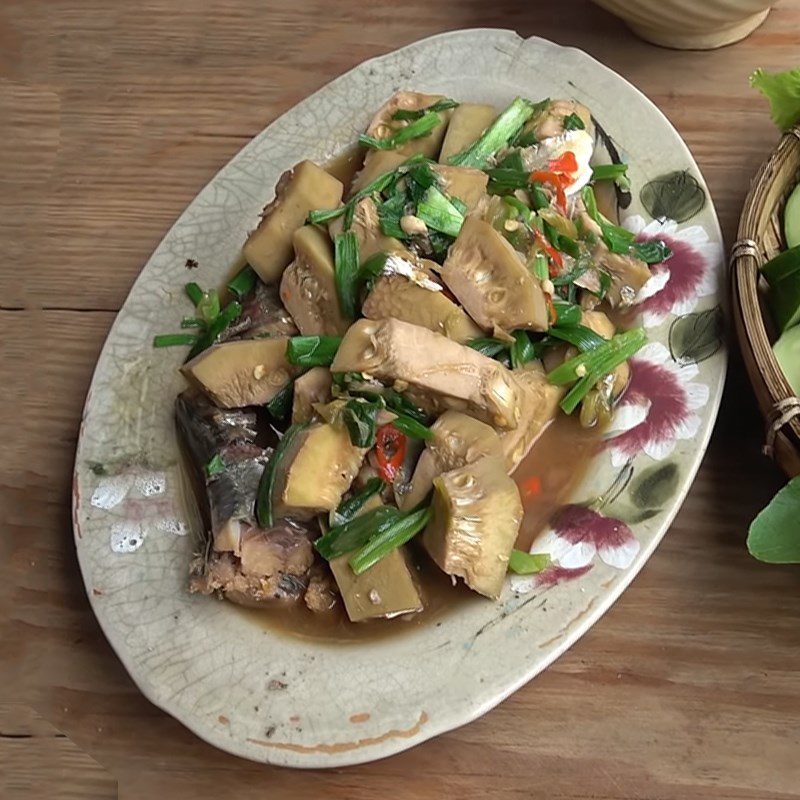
760,238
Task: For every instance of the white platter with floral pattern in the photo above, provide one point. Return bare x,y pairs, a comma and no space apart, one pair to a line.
301,703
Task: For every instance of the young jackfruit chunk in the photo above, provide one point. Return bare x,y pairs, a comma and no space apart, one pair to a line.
477,512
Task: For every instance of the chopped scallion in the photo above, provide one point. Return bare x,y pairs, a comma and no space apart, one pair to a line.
280,407
439,213
439,105
174,339
572,122
347,509
413,428
346,272
356,532
243,283
414,130
523,563
225,318
394,535
195,292
497,135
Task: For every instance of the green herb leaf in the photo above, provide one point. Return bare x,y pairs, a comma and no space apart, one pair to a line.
651,252
360,419
523,563
347,509
280,407
439,105
497,135
174,339
403,406
782,89
415,130
267,483
243,283
215,466
356,532
388,539
572,122
346,272
774,535
312,351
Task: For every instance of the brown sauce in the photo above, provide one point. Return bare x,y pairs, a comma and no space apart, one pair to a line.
558,460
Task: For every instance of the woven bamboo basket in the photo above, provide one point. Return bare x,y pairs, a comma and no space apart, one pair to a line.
760,237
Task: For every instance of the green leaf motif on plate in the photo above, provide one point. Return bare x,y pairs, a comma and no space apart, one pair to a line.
695,337
774,535
676,195
655,486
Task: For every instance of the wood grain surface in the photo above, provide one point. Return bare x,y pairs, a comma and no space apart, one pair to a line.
112,117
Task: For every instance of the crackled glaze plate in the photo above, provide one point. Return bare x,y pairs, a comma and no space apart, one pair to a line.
301,703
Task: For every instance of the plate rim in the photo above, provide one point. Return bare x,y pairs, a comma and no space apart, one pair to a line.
481,705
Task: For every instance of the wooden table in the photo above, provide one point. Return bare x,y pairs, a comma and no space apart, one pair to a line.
112,117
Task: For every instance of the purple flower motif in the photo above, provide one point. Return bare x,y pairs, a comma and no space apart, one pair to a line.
658,407
689,273
576,535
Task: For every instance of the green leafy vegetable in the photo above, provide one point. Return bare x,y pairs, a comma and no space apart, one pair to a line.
356,532
439,213
267,483
280,407
346,271
411,427
243,283
774,535
653,252
347,509
312,351
215,466
782,89
391,537
523,563
174,339
572,122
360,419
402,406
439,105
414,130
497,135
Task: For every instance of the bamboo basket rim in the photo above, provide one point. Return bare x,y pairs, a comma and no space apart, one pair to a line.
779,404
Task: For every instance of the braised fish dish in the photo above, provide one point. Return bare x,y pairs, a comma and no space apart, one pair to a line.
401,378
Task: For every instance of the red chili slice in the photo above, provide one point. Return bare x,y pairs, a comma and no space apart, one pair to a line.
390,450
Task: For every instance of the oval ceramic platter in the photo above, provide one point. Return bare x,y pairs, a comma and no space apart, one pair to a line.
289,701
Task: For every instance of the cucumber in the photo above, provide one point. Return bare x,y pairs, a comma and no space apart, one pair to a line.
787,353
791,218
